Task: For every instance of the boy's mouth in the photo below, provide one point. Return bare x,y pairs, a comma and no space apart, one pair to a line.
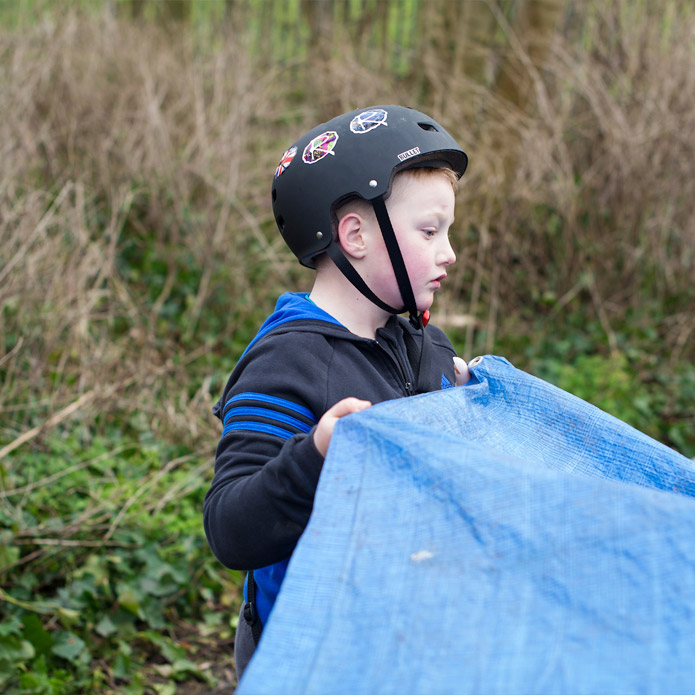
437,282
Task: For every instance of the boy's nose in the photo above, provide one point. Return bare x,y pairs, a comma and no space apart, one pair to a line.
446,254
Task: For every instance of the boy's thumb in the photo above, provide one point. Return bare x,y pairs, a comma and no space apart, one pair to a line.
463,375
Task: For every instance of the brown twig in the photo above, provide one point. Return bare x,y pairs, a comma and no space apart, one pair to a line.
51,422
61,474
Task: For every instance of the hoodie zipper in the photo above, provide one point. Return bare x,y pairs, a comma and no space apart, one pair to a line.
400,369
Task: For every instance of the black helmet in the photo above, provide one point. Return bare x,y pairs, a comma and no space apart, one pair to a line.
356,154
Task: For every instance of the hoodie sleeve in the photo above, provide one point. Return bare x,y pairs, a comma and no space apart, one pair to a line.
267,467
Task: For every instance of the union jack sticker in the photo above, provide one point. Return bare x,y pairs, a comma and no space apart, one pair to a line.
286,160
319,147
368,120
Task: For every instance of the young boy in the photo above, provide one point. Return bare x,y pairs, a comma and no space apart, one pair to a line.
367,200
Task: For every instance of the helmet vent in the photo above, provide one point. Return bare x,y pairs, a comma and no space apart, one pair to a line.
429,126
281,223
275,195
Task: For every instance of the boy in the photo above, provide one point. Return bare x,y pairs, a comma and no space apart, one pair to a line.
367,200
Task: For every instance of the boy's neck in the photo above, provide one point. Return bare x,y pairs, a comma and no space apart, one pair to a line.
336,296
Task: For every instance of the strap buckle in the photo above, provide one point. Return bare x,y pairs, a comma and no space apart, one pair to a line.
250,613
420,320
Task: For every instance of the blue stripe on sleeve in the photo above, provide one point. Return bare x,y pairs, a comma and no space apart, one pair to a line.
272,400
269,414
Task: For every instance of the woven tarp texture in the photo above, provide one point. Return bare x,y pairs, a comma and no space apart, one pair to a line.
503,537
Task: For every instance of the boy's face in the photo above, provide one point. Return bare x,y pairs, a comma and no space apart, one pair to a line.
421,208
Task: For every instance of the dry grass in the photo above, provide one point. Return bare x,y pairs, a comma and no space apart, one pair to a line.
581,195
128,149
116,139
138,252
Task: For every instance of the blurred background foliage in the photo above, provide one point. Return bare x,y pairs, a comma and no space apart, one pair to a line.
138,255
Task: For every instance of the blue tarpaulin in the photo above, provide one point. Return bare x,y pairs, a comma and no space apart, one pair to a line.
501,537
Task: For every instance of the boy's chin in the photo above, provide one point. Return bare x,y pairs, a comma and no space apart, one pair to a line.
425,304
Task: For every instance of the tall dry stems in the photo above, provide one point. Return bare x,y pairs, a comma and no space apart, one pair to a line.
595,205
115,139
135,225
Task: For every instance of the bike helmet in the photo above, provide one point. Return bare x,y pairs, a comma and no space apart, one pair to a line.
353,155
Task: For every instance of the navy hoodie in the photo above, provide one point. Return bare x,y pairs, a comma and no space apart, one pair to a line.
267,468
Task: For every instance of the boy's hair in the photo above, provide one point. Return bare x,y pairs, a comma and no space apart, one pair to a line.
364,207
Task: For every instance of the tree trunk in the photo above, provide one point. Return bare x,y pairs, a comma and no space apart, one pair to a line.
532,32
529,42
475,41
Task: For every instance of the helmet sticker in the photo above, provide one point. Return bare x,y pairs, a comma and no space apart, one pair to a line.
368,120
286,160
408,154
319,147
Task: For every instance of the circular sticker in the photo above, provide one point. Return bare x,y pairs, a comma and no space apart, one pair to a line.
319,147
368,120
286,160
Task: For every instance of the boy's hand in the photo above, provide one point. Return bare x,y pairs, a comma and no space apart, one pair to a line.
463,375
324,430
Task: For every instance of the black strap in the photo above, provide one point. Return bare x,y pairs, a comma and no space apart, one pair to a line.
250,612
425,363
348,270
397,261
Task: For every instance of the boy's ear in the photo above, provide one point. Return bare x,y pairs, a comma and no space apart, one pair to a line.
351,235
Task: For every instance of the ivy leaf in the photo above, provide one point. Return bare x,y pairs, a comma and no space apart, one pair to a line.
10,626
34,632
167,647
185,667
12,648
105,627
165,688
155,587
122,666
68,646
129,599
8,556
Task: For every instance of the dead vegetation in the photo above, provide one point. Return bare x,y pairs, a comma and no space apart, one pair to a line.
138,252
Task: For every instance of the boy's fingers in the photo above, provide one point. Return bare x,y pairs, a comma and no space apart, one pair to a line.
347,406
324,429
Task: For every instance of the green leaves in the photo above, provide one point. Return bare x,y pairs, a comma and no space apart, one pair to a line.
13,648
178,665
70,647
26,649
8,555
35,633
76,598
632,382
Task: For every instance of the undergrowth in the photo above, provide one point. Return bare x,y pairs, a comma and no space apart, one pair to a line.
138,256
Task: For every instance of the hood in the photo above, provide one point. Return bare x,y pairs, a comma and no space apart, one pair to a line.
294,307
290,307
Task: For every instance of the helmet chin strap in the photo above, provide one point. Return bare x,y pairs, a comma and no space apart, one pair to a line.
422,356
397,262
348,270
417,319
